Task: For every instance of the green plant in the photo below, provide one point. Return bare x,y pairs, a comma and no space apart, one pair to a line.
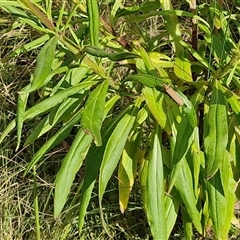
162,111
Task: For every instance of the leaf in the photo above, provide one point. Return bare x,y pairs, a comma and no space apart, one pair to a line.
182,66
156,104
44,64
118,56
38,13
122,56
147,80
182,144
216,136
93,14
127,169
187,224
8,129
52,142
194,158
145,7
184,185
21,106
48,103
172,206
188,109
201,60
63,111
154,202
234,101
220,205
198,97
160,60
167,12
96,51
70,166
115,147
92,116
93,162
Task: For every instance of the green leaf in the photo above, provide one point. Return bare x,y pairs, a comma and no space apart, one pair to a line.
8,129
182,66
220,204
52,142
63,111
216,135
181,145
156,104
118,56
70,166
184,185
127,169
154,202
172,206
44,64
147,80
234,101
93,14
48,103
93,162
21,106
122,56
96,51
166,13
146,7
115,147
92,116
188,109
187,223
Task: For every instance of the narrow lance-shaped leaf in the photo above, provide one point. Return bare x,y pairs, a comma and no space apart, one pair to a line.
154,202
52,142
118,56
216,137
48,103
182,66
93,113
181,146
70,166
21,106
44,64
115,146
148,80
234,101
63,111
156,104
217,205
39,14
184,185
93,162
171,206
127,169
93,14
